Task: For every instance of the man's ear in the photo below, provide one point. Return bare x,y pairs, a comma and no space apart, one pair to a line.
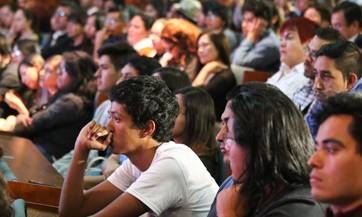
352,80
149,130
355,24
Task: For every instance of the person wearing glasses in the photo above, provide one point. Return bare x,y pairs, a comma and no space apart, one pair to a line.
267,145
58,41
337,69
304,97
112,31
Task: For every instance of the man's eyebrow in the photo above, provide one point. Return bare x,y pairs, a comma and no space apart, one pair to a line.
333,141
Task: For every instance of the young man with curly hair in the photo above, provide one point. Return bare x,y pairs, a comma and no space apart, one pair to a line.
160,177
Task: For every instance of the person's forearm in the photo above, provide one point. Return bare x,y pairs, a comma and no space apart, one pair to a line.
72,196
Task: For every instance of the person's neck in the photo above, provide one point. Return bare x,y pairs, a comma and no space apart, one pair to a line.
142,158
347,207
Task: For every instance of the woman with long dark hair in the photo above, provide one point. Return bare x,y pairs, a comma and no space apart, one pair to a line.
195,126
267,144
54,127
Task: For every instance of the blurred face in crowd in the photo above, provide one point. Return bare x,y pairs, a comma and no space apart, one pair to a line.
49,77
29,76
64,79
339,23
291,48
249,22
90,27
106,74
136,30
59,19
206,50
213,22
234,154
108,4
128,71
312,49
328,80
113,23
151,11
74,29
336,176
20,23
155,36
6,16
313,15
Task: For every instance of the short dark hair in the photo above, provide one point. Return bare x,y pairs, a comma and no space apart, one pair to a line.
346,55
328,34
147,20
323,11
351,12
144,65
76,18
118,53
347,103
221,45
147,98
277,141
175,78
260,8
158,6
217,9
73,7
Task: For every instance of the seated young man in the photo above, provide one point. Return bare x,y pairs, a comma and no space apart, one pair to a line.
336,176
160,177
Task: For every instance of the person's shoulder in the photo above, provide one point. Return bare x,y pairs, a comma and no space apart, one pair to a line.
295,203
269,38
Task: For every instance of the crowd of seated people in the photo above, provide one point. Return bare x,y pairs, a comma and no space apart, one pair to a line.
68,64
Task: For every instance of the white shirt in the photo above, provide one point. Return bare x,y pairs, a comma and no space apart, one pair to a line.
289,80
176,183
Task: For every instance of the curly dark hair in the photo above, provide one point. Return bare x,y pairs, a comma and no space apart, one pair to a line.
278,144
148,98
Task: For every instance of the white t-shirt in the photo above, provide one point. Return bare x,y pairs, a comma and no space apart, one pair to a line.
289,80
176,184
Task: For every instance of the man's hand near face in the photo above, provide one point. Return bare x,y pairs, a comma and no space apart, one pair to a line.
257,29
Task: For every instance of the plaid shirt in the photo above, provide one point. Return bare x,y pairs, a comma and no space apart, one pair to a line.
304,97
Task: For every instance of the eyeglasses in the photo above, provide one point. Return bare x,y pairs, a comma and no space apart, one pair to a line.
110,21
60,13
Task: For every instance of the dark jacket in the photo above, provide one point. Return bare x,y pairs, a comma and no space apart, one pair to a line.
62,44
295,203
9,79
54,129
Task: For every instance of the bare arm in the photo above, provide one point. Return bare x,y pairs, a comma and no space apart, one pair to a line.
73,201
104,199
